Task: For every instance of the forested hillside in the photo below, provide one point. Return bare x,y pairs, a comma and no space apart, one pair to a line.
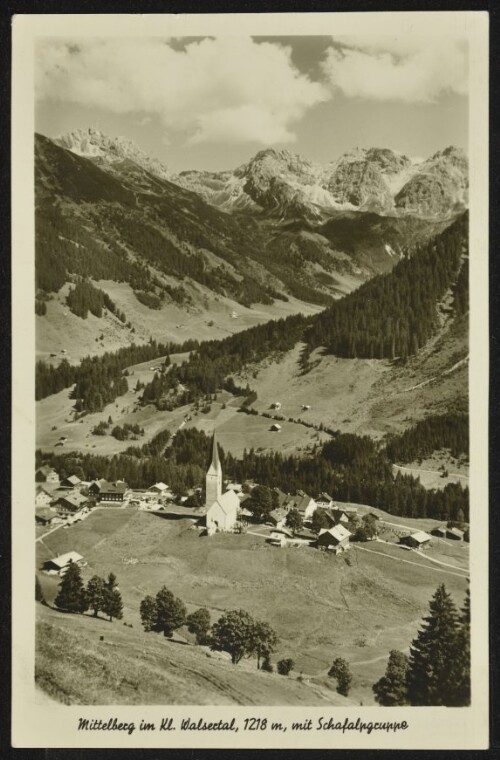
394,314
444,431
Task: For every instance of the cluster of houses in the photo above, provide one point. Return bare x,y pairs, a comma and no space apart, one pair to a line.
70,499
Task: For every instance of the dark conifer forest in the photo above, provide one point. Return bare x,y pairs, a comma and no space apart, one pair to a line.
393,315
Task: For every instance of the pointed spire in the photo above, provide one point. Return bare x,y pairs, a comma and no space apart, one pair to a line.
215,452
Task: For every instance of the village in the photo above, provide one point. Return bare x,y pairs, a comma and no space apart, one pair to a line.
290,520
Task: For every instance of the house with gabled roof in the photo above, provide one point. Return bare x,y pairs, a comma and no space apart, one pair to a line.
43,497
159,488
61,563
70,502
46,474
303,503
45,515
71,482
334,539
103,490
278,517
418,540
324,500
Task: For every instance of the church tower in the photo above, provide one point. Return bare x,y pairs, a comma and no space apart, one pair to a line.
214,477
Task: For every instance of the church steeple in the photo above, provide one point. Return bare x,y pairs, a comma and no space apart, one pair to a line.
214,476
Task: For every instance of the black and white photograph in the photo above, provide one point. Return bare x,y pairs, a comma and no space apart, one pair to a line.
251,481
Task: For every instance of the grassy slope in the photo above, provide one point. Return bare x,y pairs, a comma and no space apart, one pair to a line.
321,606
211,319
131,667
368,396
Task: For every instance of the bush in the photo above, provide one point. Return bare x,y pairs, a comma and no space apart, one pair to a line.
285,666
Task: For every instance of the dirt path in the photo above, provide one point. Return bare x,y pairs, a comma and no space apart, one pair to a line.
460,574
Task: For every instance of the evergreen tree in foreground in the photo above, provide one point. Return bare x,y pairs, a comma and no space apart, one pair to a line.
432,676
392,689
95,594
112,604
72,596
461,669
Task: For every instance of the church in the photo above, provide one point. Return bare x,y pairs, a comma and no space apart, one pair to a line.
222,508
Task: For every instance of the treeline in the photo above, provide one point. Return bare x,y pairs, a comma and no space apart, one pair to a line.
85,297
443,431
50,379
350,467
208,368
353,469
394,314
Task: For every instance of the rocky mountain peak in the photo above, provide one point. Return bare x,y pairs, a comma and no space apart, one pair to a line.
95,145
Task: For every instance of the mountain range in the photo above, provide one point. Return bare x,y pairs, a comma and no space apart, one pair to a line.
285,185
273,237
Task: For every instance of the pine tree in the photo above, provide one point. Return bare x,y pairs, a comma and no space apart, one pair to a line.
95,594
461,668
392,688
433,654
72,596
112,604
149,613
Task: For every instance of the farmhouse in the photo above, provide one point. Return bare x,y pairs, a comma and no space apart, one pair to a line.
276,405
45,515
418,540
222,509
334,539
277,517
279,537
281,496
324,500
70,502
303,503
71,482
46,474
43,497
60,564
338,516
105,491
160,488
275,427
439,531
455,534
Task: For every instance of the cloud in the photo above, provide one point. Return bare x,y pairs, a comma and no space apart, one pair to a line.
404,68
229,89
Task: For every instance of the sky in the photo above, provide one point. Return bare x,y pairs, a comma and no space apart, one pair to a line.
212,102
